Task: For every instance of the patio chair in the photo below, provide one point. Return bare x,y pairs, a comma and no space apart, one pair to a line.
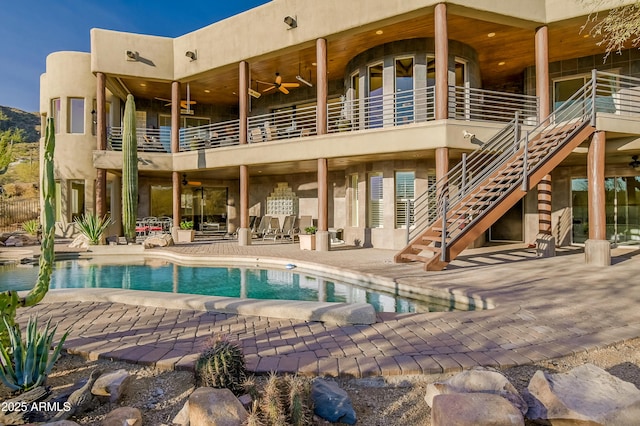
289,229
274,231
262,227
256,135
305,222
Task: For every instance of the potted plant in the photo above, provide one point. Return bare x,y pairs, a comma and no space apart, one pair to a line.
186,233
308,239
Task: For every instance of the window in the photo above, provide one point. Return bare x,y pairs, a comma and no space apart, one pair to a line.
376,201
58,201
77,199
354,97
55,113
161,200
353,199
404,91
374,106
76,115
405,195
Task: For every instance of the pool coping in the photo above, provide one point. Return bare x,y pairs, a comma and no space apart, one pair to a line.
456,297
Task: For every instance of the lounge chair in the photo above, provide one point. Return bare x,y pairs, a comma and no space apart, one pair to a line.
274,231
305,222
289,229
262,227
256,135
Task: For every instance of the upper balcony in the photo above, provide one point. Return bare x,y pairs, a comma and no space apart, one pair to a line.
375,112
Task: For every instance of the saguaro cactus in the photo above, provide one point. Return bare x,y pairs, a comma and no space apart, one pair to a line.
129,171
9,301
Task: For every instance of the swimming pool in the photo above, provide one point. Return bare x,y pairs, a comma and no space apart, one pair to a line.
226,281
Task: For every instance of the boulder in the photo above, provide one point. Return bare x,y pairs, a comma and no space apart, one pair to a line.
331,402
163,240
477,380
474,409
80,241
586,395
215,407
14,241
61,423
182,418
123,416
112,385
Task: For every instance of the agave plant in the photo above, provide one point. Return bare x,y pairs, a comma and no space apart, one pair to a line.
31,226
92,226
27,363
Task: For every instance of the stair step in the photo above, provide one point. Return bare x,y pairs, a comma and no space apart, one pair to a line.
432,237
422,247
415,258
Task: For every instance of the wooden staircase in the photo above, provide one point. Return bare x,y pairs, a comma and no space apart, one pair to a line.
475,194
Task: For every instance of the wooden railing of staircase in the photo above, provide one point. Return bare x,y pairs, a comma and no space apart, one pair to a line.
475,193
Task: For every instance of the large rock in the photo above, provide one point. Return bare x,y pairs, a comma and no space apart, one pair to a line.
80,241
123,416
477,380
182,418
112,385
61,423
586,395
331,402
474,409
215,407
163,240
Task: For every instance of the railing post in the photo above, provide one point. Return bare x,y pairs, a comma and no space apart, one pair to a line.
594,93
525,158
463,184
408,219
443,239
516,132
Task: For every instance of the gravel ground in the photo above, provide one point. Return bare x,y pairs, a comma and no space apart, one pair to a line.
161,394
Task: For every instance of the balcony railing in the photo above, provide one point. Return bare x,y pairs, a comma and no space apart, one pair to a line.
373,112
286,124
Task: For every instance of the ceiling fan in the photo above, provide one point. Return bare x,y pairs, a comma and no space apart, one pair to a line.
183,103
186,182
635,164
278,84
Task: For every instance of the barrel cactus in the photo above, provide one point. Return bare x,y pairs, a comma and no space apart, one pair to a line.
129,171
222,365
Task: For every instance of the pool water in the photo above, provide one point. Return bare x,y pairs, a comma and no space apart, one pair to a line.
255,283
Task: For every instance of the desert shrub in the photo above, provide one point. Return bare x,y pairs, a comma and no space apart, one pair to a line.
27,362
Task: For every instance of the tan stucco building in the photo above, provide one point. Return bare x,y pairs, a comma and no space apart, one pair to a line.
363,106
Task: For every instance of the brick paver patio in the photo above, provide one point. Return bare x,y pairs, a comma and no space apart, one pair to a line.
545,308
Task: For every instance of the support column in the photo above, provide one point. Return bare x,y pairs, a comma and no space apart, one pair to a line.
442,61
442,166
545,241
244,233
101,139
175,148
322,234
597,249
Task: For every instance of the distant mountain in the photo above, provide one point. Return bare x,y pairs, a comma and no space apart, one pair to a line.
28,121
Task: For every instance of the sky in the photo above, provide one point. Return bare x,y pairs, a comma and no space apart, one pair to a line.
32,29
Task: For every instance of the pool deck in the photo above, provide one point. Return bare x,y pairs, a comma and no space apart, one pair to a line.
545,308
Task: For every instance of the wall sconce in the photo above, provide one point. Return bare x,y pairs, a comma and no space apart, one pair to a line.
132,56
94,116
291,22
191,55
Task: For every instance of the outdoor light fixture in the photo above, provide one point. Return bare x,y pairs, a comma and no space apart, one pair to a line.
191,55
291,22
131,55
94,114
302,80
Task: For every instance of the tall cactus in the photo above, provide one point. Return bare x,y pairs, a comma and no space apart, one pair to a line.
9,301
129,171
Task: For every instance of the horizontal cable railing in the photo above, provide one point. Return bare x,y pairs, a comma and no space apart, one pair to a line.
149,140
214,135
486,105
378,111
618,94
278,125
